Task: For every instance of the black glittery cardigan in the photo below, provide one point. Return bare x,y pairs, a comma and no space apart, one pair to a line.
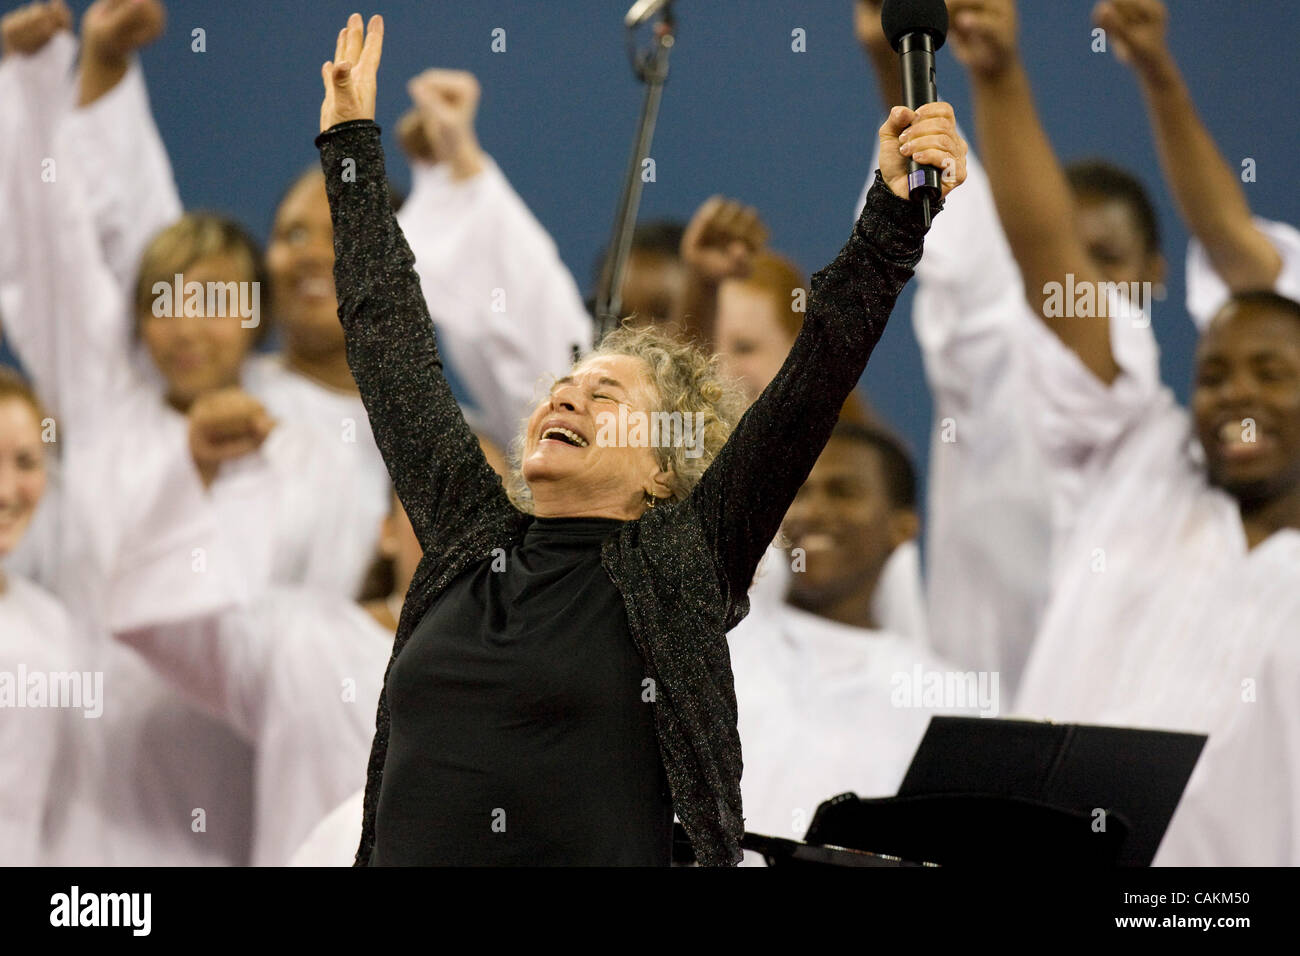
683,569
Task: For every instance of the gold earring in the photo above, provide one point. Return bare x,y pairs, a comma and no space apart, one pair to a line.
651,503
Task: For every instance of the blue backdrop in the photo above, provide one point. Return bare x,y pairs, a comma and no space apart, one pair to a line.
743,115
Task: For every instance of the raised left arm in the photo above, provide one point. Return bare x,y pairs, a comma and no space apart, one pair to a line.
743,496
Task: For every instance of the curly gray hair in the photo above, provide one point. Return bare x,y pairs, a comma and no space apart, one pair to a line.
687,381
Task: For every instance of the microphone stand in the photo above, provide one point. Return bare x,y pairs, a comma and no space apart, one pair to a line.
651,68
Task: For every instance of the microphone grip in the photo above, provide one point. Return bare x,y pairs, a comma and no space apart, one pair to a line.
916,57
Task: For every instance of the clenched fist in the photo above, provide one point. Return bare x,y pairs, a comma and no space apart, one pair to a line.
446,102
982,34
225,424
722,239
26,30
1136,29
114,29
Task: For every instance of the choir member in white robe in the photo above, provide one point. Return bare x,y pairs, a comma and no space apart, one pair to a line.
987,514
826,697
988,508
1176,537
1163,606
36,646
138,774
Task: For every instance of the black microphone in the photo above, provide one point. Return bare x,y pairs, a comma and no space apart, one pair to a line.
916,29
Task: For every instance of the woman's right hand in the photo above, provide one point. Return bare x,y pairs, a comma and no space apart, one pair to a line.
350,78
929,136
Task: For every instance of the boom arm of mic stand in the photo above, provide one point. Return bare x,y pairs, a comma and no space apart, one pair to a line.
654,72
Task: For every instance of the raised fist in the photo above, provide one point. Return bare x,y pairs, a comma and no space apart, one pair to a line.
446,102
112,30
26,30
982,34
722,239
1135,28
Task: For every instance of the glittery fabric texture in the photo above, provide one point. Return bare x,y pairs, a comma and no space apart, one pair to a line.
683,569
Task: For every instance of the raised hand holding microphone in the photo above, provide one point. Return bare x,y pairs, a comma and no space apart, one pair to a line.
925,138
916,29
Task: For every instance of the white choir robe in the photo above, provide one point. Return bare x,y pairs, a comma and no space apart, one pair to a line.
1251,769
1206,291
132,779
1159,612
38,93
153,781
506,310
298,675
35,639
334,841
817,714
988,515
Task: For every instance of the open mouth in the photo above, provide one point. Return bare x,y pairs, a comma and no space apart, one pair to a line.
564,435
1237,440
816,541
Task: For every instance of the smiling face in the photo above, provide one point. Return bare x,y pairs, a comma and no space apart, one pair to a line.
196,354
300,260
568,469
847,525
1247,401
22,469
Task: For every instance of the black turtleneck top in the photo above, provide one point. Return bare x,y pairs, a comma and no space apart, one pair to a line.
523,726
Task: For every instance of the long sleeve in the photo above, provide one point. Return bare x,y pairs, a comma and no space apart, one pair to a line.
743,496
65,314
439,472
219,662
506,310
1207,293
130,190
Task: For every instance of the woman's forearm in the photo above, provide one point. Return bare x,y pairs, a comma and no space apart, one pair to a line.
745,493
391,349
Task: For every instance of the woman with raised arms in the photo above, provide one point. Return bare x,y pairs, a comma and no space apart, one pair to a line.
560,683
